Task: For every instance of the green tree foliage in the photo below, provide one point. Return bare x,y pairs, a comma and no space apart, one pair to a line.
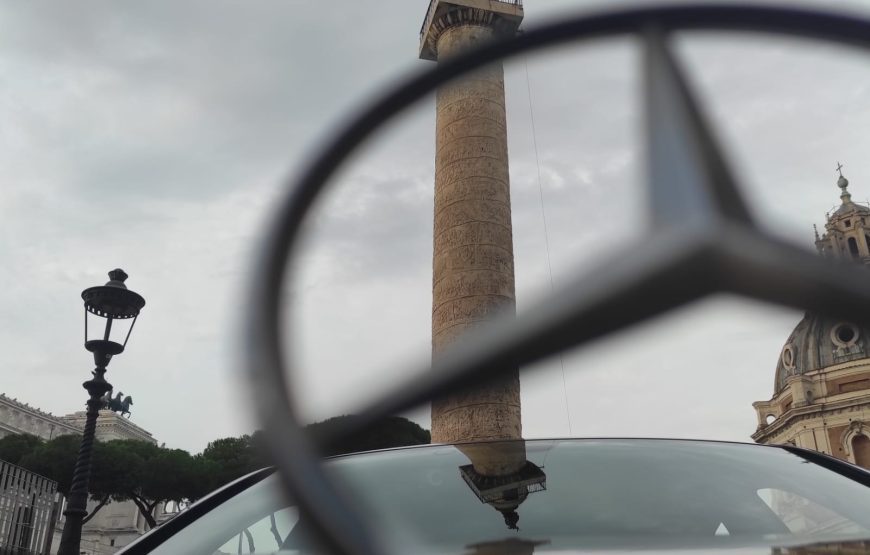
229,458
204,477
122,470
394,431
116,468
55,459
166,477
149,475
114,472
226,459
143,473
14,447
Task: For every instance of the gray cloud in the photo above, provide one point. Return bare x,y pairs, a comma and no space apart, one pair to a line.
155,136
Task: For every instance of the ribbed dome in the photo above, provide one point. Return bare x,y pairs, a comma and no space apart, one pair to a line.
818,342
850,208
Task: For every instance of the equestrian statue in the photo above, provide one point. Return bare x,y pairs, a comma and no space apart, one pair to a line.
116,404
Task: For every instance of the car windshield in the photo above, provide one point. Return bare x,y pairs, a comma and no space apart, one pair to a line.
541,496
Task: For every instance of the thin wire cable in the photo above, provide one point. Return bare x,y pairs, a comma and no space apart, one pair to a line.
546,234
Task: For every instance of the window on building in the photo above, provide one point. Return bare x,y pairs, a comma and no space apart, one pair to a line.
846,333
861,450
848,223
853,247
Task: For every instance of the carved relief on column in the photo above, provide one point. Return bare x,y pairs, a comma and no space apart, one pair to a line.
473,264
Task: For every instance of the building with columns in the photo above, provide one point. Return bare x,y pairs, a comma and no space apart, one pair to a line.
110,426
17,417
473,260
116,524
821,390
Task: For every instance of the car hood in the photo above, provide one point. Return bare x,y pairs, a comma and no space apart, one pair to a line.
519,546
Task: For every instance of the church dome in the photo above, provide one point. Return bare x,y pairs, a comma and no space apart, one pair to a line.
847,207
817,343
850,208
822,383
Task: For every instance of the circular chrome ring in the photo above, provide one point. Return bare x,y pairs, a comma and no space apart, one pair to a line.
326,510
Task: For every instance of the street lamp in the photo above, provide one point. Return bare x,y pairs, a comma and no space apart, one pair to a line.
114,309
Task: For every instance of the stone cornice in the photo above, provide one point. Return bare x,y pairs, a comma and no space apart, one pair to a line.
6,400
809,412
109,422
39,415
839,369
462,17
817,382
503,17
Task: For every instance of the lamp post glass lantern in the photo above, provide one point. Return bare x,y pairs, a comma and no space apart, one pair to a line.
111,311
110,314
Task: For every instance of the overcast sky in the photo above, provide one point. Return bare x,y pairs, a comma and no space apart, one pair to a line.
156,136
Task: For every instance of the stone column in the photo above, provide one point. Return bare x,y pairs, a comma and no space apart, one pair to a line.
473,263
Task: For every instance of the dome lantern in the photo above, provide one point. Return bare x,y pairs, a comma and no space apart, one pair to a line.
847,229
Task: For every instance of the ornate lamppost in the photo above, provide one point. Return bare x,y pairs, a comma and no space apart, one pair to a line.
114,304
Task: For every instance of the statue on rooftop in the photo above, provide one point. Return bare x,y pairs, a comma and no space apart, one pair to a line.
119,403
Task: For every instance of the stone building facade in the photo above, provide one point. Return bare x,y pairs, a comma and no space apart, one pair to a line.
821,397
110,426
17,417
116,524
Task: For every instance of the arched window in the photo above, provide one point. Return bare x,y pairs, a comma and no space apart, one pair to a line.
861,450
853,247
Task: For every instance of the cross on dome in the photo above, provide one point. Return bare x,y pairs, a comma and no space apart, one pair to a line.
843,183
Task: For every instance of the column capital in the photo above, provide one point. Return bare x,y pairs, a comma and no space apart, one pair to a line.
502,16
